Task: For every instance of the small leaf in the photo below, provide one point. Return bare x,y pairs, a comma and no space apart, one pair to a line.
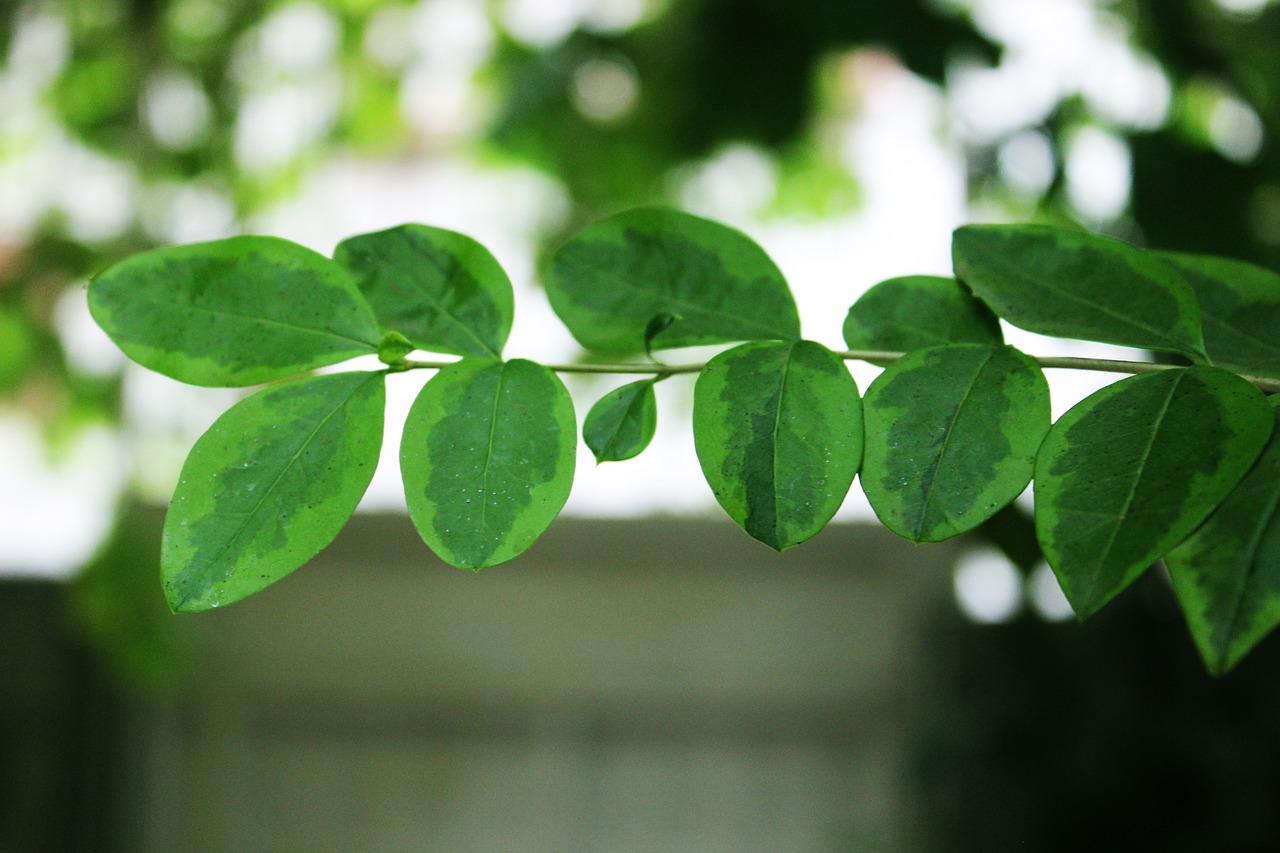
393,348
621,424
1227,574
1077,285
778,431
952,434
609,282
487,459
233,312
269,485
442,290
659,323
902,314
1131,470
1240,304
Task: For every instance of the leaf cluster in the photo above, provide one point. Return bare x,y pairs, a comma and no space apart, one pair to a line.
1178,462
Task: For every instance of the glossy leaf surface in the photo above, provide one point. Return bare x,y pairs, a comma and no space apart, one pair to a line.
1077,285
952,434
1240,304
442,290
1131,470
233,312
487,459
910,312
778,431
269,485
1227,574
622,423
609,283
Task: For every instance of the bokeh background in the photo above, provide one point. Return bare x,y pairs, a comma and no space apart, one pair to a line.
953,706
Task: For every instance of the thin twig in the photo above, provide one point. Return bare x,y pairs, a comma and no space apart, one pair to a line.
876,357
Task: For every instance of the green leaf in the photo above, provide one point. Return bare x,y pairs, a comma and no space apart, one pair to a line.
778,431
393,348
487,458
269,485
1227,574
952,434
233,312
442,290
1131,470
658,324
1077,285
902,314
610,281
1240,304
621,423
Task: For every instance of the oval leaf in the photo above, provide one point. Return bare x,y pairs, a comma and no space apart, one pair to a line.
233,312
952,434
910,312
269,485
1077,285
1131,470
621,424
487,459
442,290
610,281
1240,304
778,431
1227,574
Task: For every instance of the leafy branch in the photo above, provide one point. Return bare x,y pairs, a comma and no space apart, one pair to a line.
1180,463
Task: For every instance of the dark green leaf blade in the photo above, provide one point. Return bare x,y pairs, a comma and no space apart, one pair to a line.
608,283
1240,304
952,434
1077,285
1131,470
269,485
622,423
914,311
487,458
233,312
1227,574
442,290
778,431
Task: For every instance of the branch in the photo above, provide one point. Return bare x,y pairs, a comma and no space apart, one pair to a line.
876,357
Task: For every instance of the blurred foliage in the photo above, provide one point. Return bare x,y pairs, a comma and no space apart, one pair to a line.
145,106
117,605
1185,195
710,72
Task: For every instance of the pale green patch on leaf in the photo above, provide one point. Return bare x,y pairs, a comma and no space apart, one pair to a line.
1227,574
269,485
609,283
1077,285
778,431
621,423
487,458
233,312
910,312
951,437
442,290
1240,304
1131,470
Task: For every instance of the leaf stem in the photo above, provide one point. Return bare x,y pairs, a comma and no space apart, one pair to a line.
877,357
